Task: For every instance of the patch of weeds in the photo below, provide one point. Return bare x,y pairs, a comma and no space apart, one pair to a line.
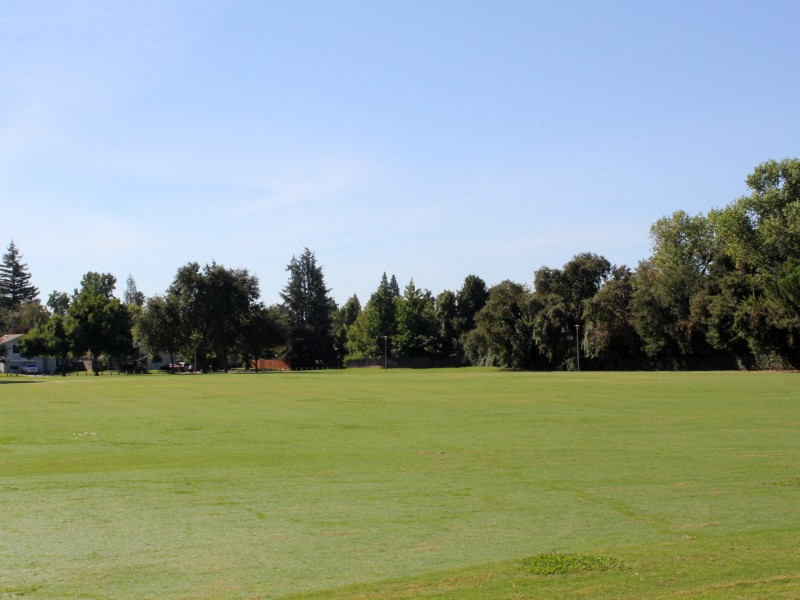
791,482
559,563
13,592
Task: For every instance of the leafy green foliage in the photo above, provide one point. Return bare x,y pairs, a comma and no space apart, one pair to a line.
559,300
262,331
718,291
416,324
558,563
160,326
470,299
447,326
375,325
58,302
53,339
786,286
610,338
791,482
22,317
763,229
212,303
683,243
343,319
503,334
99,322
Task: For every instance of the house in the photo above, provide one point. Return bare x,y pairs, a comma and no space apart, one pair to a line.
11,361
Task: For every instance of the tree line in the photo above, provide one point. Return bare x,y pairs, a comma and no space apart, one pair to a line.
720,290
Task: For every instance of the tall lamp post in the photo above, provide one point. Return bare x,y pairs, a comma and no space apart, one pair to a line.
385,352
578,345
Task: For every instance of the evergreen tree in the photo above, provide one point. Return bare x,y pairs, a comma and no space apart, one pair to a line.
393,286
445,310
310,312
15,281
383,301
416,324
365,337
132,294
469,300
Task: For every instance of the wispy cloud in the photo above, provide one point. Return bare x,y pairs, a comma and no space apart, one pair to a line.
62,59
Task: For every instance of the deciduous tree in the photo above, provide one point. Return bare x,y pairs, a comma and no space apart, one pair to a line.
160,327
100,323
503,335
214,302
610,340
58,302
52,339
762,230
261,332
343,319
559,300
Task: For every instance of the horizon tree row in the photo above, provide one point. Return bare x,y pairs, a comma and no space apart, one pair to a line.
720,290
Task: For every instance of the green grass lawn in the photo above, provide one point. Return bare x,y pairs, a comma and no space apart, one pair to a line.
406,484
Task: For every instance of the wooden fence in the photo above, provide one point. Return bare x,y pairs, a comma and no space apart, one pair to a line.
271,364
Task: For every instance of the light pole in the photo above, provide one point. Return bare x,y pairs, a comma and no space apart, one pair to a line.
385,352
578,345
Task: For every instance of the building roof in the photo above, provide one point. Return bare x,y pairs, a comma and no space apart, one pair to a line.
11,337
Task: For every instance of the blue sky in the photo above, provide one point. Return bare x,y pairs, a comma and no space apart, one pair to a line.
430,140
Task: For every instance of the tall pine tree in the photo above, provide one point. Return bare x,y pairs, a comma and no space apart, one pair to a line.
15,281
310,310
394,287
370,336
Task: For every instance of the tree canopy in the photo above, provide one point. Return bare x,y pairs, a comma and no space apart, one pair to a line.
718,290
100,323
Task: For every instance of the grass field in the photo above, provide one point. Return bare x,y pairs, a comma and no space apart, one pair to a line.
435,484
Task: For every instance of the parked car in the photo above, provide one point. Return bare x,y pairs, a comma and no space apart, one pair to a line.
181,367
30,369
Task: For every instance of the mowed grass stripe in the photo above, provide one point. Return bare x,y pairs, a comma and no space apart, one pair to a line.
273,484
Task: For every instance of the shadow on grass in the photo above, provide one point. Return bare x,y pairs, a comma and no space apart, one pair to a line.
2,381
